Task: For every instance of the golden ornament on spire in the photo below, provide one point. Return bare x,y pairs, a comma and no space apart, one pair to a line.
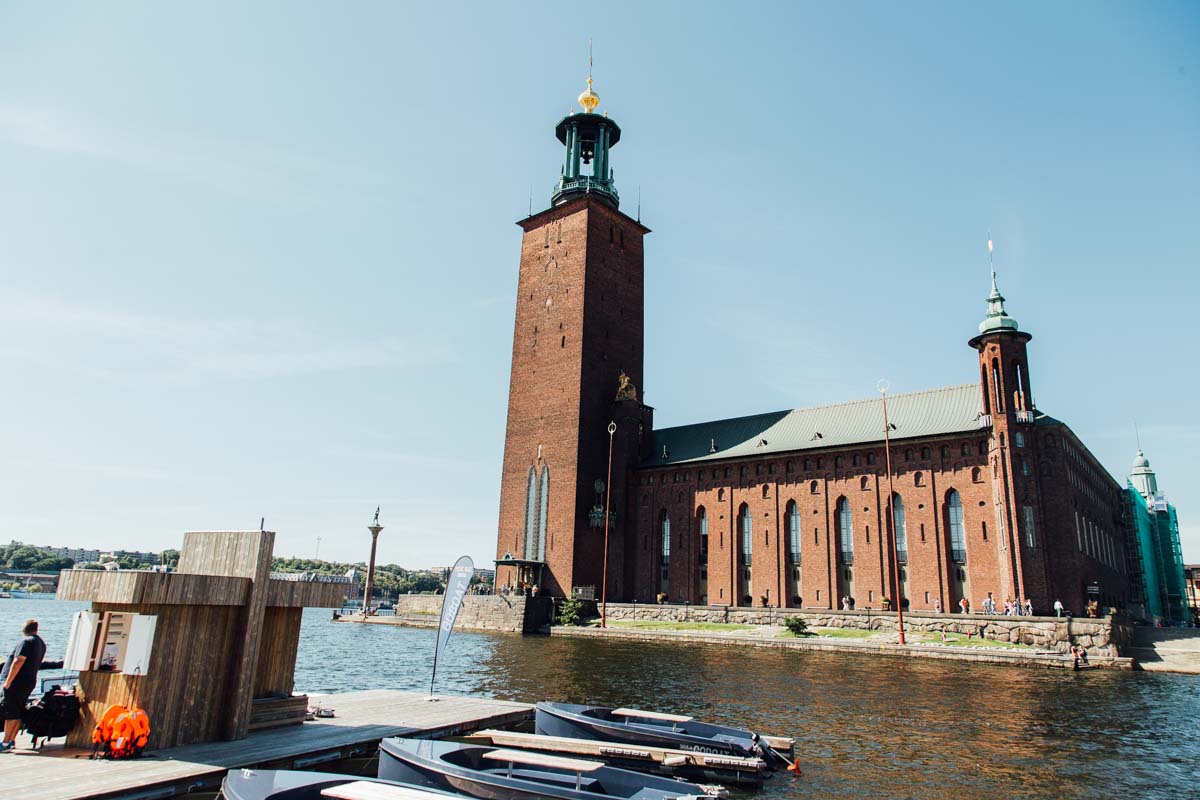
589,99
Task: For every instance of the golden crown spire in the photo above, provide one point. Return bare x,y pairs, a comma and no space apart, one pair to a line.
589,99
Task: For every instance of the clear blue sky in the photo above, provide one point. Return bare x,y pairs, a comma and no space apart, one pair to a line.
260,260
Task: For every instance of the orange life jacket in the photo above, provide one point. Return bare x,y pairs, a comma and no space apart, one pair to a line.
103,730
123,732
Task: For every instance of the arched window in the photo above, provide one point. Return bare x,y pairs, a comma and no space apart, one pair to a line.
966,449
983,447
766,490
900,528
665,536
837,462
925,453
854,460
543,516
720,495
807,463
908,454
793,526
702,515
531,516
996,387
976,475
744,525
870,459
863,483
742,472
945,451
954,514
987,400
919,478
845,522
814,488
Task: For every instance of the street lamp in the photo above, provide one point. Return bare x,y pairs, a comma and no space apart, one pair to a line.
891,505
612,428
374,528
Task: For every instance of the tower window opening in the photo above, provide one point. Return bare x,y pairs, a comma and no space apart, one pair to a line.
845,523
745,526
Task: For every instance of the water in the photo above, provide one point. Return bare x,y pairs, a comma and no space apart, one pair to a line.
864,726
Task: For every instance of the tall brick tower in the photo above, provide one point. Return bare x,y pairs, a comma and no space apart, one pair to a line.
1012,456
576,367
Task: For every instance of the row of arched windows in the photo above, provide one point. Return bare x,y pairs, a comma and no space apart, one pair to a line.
844,521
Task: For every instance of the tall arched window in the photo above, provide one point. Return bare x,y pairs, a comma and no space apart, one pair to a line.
665,534
529,546
845,522
900,529
954,514
543,516
702,516
744,525
793,526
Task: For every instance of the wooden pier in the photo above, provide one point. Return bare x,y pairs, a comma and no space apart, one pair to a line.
362,719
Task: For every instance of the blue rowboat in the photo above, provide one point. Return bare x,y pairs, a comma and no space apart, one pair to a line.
279,784
634,726
504,774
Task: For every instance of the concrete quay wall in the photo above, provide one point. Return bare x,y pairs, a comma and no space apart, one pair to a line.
1103,637
480,612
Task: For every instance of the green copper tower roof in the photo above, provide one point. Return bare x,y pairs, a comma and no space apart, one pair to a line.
997,318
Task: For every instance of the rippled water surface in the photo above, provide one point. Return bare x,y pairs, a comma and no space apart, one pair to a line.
864,726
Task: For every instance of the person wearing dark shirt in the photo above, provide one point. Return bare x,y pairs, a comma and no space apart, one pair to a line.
18,680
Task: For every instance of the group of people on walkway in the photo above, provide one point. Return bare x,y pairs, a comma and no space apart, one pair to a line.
1012,608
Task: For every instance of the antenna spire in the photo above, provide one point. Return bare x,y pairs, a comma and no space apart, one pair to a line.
1137,436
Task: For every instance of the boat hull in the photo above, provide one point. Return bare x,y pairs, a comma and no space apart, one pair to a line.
273,784
592,722
457,767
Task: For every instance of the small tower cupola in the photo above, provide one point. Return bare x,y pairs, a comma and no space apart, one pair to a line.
997,318
1142,477
588,137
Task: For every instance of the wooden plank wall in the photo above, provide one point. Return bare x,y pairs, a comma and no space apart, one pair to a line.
241,554
276,673
135,586
188,687
306,594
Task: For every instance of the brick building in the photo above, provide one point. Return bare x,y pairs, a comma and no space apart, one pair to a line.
790,508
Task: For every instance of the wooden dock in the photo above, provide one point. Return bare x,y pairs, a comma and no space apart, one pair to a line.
363,718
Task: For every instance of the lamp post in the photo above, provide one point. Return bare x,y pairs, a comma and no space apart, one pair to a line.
374,528
891,505
612,428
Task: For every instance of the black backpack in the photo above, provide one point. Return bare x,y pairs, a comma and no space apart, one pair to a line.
53,715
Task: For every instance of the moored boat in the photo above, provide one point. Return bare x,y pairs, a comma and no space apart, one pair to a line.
687,765
279,784
675,731
507,774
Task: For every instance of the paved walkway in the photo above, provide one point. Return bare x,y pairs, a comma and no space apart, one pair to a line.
1167,649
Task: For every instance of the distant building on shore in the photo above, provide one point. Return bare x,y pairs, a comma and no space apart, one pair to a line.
991,496
1159,555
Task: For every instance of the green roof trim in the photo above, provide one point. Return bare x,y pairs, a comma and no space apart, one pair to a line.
933,412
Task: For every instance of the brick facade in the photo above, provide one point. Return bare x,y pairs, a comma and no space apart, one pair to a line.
1040,518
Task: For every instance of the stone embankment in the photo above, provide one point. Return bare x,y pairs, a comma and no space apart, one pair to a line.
1167,650
480,612
1106,637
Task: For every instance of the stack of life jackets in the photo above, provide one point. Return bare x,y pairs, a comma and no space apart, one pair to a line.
121,732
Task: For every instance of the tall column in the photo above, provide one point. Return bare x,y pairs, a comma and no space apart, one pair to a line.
575,151
370,587
569,168
601,153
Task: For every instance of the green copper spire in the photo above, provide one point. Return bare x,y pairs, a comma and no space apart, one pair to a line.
997,318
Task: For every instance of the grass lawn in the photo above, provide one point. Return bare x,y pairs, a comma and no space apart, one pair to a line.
960,640
651,624
832,633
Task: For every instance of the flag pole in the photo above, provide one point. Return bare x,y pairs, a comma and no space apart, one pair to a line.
891,506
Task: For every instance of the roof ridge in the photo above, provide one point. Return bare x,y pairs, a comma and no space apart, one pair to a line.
842,404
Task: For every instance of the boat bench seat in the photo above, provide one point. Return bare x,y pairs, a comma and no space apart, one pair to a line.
544,776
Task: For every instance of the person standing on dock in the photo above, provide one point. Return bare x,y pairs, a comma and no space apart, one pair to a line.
18,679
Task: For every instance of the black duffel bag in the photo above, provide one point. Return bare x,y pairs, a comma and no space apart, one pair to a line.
52,715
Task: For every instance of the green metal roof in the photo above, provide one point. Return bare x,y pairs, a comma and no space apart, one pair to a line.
953,409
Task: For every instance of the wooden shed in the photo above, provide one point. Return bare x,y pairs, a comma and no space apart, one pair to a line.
208,651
